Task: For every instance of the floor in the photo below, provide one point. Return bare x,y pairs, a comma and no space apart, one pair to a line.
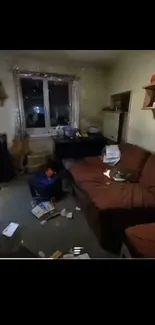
59,233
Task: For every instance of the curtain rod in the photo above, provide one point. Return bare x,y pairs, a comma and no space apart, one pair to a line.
43,74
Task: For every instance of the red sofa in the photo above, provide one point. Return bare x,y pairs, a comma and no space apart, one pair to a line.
140,241
112,207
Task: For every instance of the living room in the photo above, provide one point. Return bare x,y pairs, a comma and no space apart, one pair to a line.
91,78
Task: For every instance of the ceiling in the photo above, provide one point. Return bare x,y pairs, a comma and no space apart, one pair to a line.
103,58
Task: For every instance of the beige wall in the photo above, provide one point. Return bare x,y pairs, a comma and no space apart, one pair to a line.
92,84
132,72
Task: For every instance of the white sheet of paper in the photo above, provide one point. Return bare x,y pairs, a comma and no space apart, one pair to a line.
83,256
68,256
10,229
107,173
38,211
47,205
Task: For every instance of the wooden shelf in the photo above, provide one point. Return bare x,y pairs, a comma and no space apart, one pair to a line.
150,86
148,107
149,97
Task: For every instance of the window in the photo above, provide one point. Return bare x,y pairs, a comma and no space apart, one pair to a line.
33,102
59,103
46,101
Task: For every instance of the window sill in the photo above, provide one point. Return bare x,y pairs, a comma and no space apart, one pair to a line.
38,136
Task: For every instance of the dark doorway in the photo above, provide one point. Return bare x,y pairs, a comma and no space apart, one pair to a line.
120,103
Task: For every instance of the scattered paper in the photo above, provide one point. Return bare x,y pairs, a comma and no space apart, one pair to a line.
75,250
69,215
119,179
41,254
72,256
10,229
48,206
38,211
63,213
68,256
84,256
107,173
43,222
78,209
42,209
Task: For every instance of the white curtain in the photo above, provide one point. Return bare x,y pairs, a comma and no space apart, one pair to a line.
75,103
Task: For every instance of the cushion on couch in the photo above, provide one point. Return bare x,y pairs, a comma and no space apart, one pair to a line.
88,169
107,196
141,238
132,158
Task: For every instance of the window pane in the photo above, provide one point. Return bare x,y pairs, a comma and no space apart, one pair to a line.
58,103
32,92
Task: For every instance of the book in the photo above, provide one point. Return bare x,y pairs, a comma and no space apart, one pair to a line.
48,206
39,211
43,209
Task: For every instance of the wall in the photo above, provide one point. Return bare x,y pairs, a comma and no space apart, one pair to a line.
92,85
132,72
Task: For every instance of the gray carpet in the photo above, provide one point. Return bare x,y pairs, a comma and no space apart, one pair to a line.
59,233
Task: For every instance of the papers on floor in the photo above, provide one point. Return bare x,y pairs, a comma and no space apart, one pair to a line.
38,211
42,209
10,229
83,256
112,155
48,206
69,215
78,257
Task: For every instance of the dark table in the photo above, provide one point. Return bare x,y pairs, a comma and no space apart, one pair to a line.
79,147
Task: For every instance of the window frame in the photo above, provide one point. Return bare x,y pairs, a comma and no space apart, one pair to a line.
74,100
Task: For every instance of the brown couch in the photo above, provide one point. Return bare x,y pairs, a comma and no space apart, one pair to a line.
140,240
112,207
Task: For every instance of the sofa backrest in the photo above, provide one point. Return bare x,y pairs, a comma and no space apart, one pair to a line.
132,158
147,178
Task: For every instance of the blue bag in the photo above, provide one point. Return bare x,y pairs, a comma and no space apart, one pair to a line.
43,188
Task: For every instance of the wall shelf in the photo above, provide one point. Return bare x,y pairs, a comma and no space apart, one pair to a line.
149,97
150,86
148,107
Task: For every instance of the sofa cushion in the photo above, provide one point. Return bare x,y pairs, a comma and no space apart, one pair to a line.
88,169
147,178
113,195
142,239
132,158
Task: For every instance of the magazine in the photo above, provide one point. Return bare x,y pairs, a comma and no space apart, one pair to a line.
42,209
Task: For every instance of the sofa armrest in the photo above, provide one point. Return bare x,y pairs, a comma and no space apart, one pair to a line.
136,196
